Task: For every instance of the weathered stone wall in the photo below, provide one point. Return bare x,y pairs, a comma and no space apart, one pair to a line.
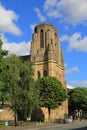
6,114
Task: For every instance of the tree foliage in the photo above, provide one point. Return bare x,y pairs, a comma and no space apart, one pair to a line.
17,88
3,66
78,99
22,94
52,93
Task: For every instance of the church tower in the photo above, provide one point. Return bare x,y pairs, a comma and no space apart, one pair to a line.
48,60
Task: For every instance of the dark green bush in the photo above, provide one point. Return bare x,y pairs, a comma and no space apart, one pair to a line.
2,125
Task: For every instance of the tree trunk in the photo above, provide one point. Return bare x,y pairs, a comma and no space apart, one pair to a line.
49,113
15,119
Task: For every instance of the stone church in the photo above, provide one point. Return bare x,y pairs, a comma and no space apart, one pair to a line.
48,60
47,56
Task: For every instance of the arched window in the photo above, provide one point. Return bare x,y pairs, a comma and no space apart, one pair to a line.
55,37
45,73
38,74
41,39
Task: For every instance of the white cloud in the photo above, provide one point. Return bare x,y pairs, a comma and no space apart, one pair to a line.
64,38
20,49
82,83
40,16
50,6
72,11
72,70
3,38
49,3
32,27
7,21
78,42
69,86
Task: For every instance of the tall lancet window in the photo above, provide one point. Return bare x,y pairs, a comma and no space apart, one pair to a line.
41,39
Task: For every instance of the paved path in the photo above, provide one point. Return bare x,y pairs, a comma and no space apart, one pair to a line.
72,126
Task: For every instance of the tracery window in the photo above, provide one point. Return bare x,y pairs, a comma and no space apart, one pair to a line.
41,39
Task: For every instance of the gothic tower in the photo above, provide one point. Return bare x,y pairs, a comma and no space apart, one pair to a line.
48,60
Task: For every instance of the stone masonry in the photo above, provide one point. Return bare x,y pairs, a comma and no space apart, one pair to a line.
47,56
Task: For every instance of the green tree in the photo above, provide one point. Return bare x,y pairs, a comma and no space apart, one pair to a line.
27,84
52,93
77,99
3,93
17,88
22,94
11,82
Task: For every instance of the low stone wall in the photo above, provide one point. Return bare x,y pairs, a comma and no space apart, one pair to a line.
6,114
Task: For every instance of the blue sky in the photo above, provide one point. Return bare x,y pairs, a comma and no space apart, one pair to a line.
17,21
